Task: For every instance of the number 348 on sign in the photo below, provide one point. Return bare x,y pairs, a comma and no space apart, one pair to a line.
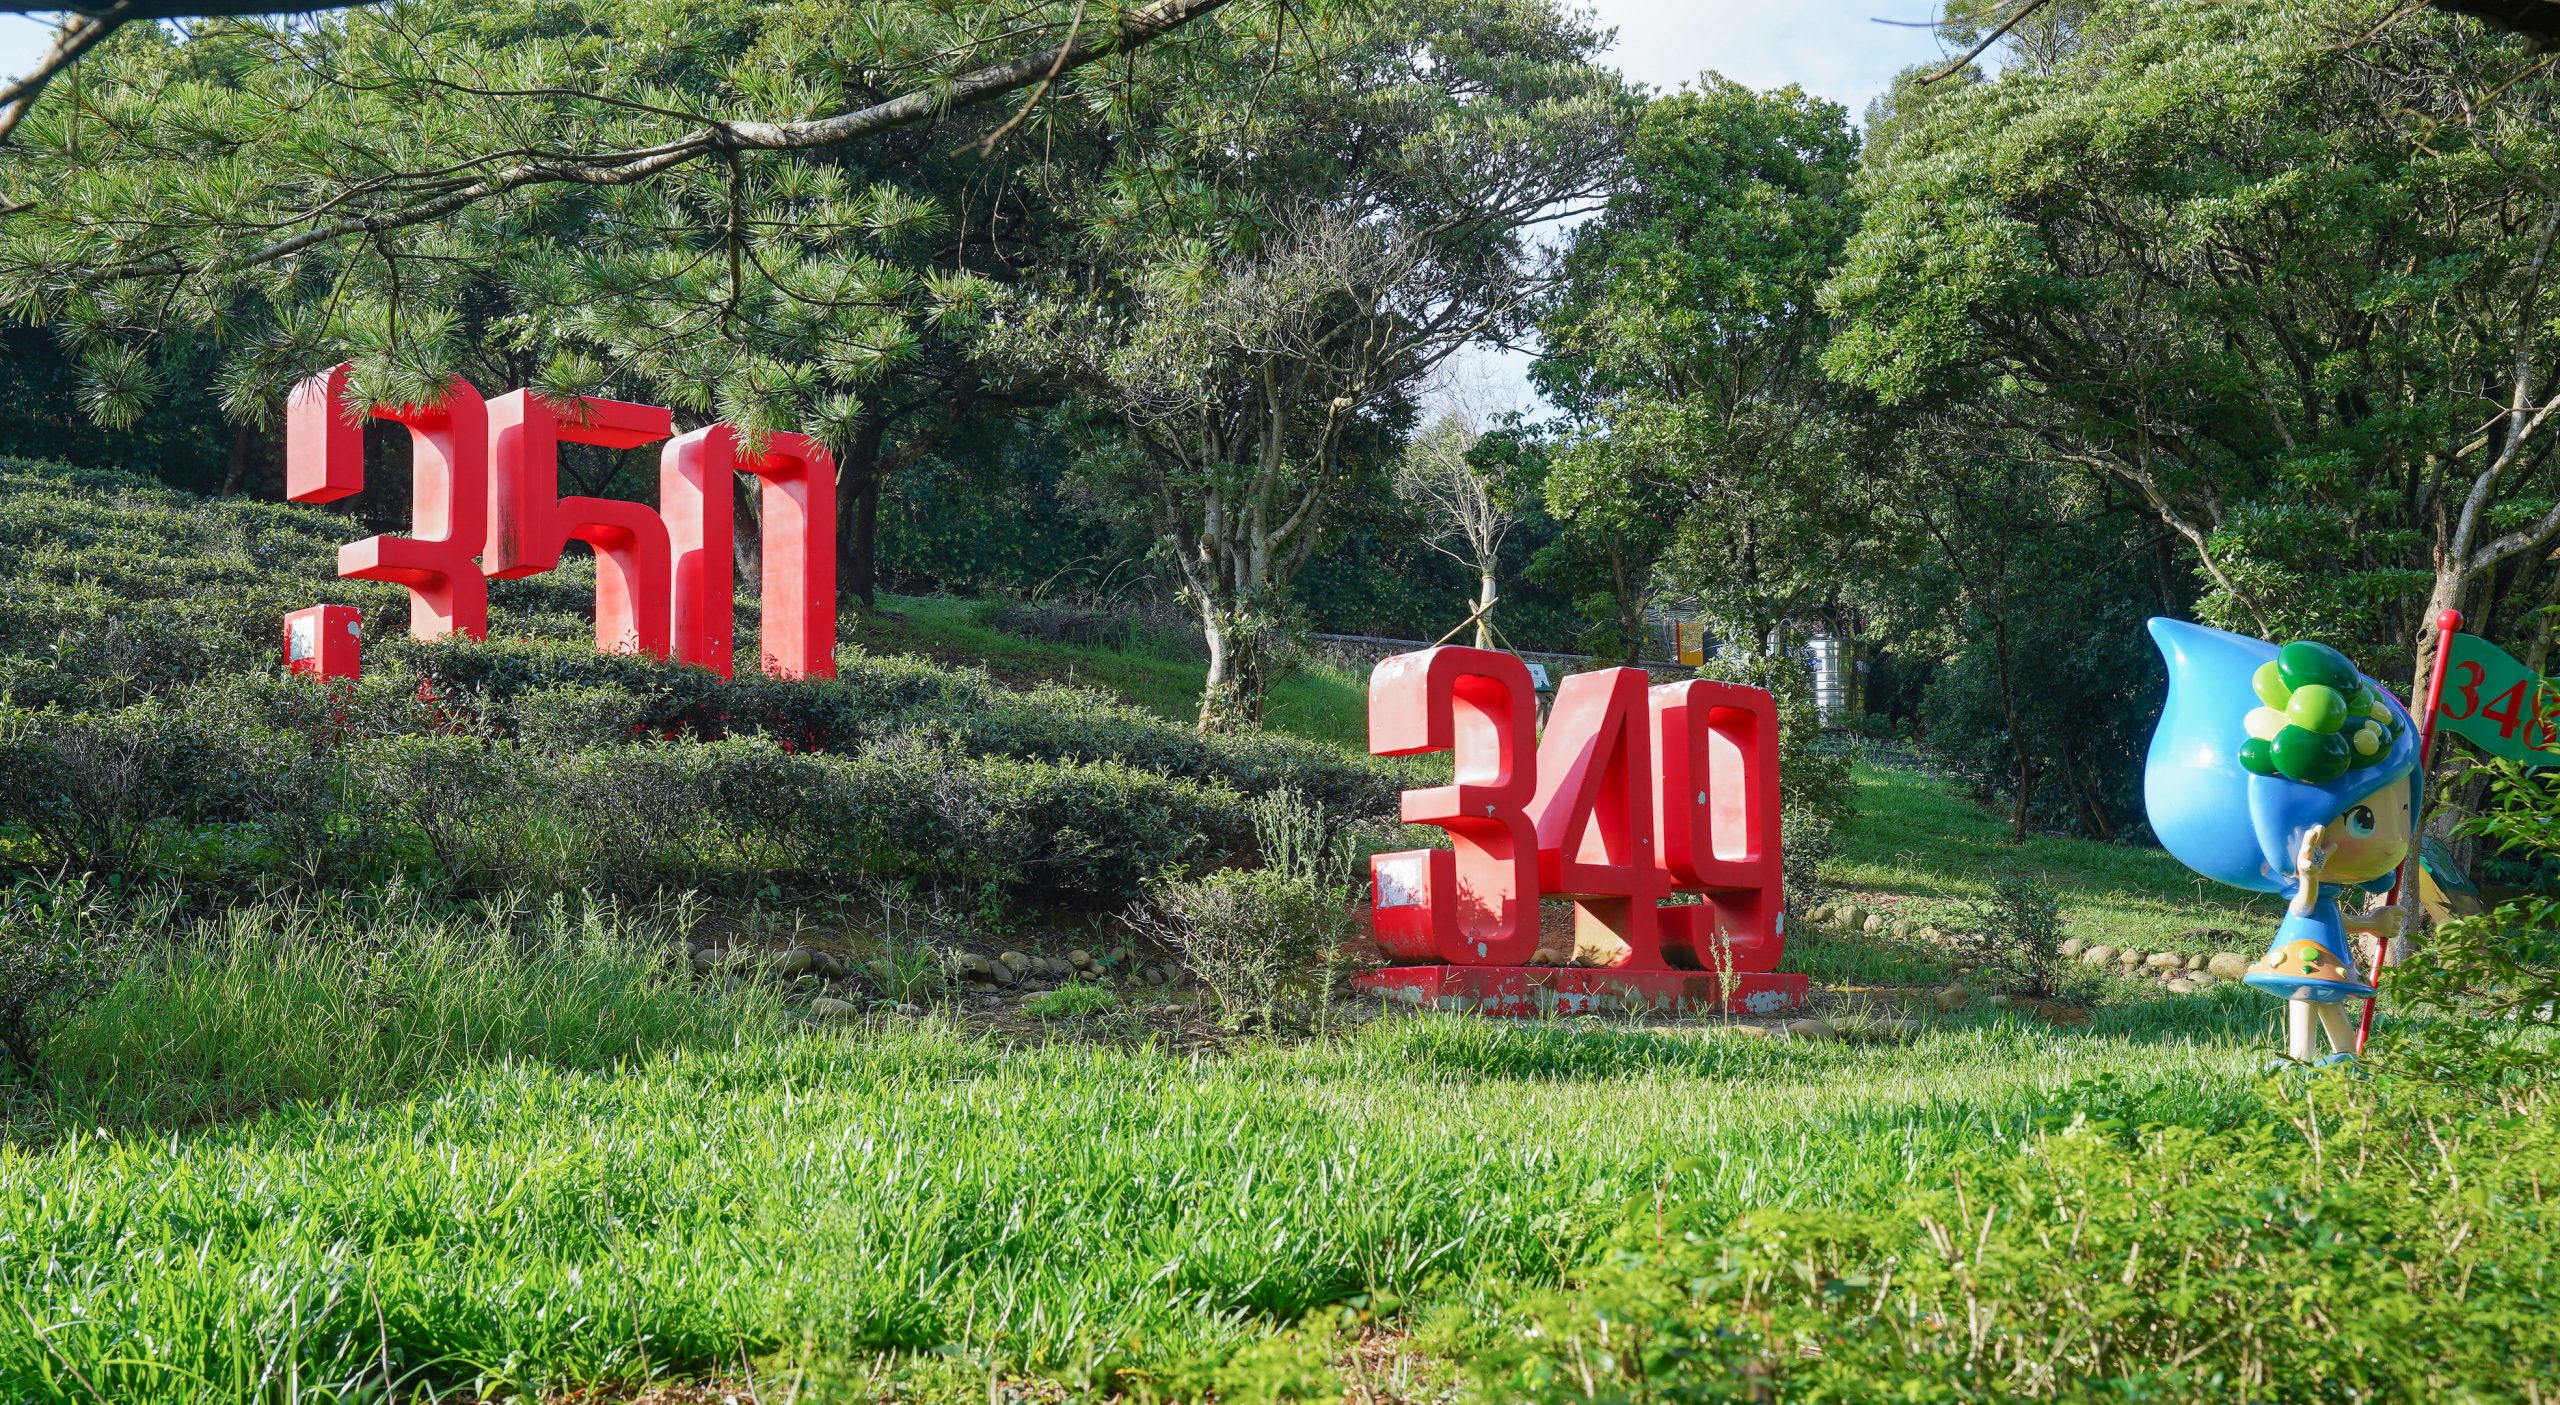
1635,795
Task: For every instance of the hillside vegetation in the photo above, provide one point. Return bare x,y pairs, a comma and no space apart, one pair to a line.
398,1073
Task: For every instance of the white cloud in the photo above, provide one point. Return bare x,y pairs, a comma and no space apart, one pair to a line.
1832,47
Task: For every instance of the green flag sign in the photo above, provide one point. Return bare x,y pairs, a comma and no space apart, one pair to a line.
2499,704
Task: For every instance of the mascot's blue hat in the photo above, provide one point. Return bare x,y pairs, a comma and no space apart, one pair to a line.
2217,816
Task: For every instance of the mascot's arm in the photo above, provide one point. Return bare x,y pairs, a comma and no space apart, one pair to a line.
2306,871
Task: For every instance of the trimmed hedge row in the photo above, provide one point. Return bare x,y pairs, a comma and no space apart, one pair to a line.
144,728
190,788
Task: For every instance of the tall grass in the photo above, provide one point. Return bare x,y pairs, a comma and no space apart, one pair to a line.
327,999
1112,1219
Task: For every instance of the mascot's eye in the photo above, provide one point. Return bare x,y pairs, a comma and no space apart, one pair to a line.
2360,821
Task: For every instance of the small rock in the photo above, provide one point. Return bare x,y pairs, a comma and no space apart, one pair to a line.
2073,946
827,964
2128,958
1152,975
1999,1000
1848,916
2201,979
827,1007
1897,1030
1747,1031
1081,959
1819,1031
1819,914
1904,931
2195,963
705,960
794,962
2165,961
1934,935
910,1011
2228,965
2098,955
1013,961
972,966
1875,925
1953,998
2182,987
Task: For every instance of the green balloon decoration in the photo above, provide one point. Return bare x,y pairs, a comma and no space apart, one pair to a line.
2321,716
2303,663
2315,758
2317,707
2259,755
2269,681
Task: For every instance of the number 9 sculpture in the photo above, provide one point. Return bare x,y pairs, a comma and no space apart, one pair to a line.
1634,794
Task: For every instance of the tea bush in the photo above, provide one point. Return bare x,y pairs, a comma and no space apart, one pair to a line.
145,731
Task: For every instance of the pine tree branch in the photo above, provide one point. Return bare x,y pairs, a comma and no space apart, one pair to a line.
78,35
630,166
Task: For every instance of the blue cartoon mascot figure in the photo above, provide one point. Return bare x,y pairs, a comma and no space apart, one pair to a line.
2286,770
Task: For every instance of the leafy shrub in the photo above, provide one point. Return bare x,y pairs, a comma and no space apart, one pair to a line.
1263,939
60,941
2499,972
454,793
2357,1243
2014,937
1249,936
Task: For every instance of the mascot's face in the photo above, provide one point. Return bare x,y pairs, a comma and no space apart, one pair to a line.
2369,838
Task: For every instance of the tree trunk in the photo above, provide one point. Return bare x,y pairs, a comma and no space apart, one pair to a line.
746,535
858,509
235,469
1484,610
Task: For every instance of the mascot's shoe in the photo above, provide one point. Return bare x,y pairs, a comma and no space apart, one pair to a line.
2310,960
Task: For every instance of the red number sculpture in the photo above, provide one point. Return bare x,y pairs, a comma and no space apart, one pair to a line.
1594,811
449,449
799,503
1476,902
1716,811
1635,793
324,641
488,505
529,522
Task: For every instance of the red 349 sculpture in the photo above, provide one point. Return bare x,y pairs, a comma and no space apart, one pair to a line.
1634,794
486,505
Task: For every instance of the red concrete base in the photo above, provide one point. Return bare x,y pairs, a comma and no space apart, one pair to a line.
1581,990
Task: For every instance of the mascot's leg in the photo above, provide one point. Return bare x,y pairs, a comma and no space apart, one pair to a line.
2341,1030
2301,1029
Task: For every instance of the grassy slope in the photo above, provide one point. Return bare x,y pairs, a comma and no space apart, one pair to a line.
1320,703
1927,849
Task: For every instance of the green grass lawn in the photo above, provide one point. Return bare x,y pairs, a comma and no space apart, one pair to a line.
1927,849
914,1202
1319,702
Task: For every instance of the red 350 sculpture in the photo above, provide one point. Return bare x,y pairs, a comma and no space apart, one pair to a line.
486,505
1634,794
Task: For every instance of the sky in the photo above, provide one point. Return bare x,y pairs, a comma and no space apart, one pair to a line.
1835,48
